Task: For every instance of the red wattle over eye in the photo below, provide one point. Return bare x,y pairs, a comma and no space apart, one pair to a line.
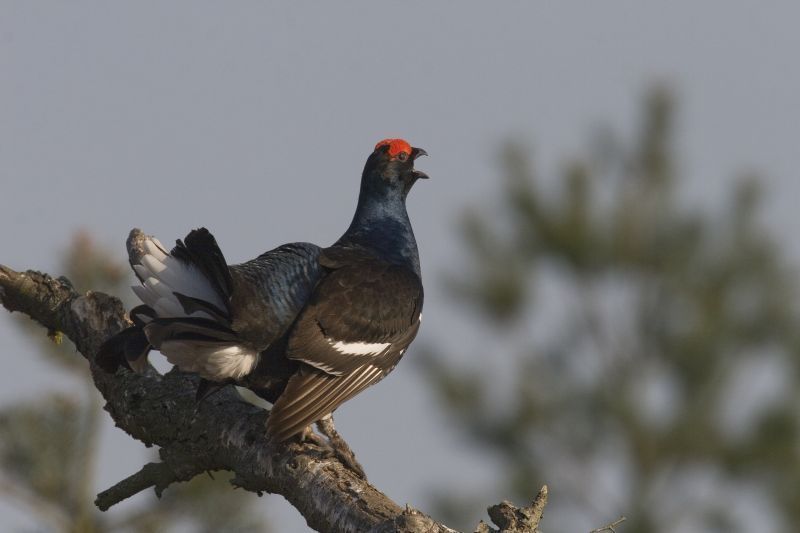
396,146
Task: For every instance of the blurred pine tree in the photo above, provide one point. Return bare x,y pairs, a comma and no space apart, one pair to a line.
660,378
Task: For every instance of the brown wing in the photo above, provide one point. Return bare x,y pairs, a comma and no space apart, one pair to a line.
312,393
359,323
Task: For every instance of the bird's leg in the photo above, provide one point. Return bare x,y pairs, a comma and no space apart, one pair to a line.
299,443
339,446
308,435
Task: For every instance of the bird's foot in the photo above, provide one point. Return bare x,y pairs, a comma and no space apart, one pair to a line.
339,447
308,442
308,436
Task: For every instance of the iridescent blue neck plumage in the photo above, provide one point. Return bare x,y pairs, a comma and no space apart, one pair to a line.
381,225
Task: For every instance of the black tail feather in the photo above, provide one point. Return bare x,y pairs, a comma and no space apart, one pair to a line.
207,388
200,249
128,348
191,305
142,314
161,330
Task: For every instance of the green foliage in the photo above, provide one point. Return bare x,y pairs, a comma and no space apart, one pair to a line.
48,474
48,446
653,325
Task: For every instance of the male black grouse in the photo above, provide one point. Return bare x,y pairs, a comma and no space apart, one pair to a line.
305,328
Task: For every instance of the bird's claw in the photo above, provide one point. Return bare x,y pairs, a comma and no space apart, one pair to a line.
339,447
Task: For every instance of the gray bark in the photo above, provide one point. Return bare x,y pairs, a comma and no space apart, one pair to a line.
222,433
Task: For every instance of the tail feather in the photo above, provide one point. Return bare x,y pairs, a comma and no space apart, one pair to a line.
141,315
190,289
202,346
154,247
161,330
198,307
206,389
127,348
186,272
211,360
200,250
186,313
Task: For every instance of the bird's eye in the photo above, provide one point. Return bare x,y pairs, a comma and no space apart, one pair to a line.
402,156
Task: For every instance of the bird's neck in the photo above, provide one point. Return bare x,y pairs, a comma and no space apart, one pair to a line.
381,226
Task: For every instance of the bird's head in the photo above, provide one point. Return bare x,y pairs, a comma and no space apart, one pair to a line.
391,166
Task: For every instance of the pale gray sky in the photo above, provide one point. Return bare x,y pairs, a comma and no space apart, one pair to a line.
254,120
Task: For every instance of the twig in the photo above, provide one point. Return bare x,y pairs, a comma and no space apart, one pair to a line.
157,475
610,527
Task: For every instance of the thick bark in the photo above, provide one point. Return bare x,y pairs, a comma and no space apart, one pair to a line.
222,433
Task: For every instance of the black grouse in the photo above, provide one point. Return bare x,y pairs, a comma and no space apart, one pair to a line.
304,327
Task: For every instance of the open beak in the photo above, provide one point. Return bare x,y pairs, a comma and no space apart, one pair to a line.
415,153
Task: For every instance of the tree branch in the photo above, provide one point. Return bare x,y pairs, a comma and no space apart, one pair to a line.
222,433
158,475
610,528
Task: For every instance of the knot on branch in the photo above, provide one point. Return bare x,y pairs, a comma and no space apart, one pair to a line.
511,519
